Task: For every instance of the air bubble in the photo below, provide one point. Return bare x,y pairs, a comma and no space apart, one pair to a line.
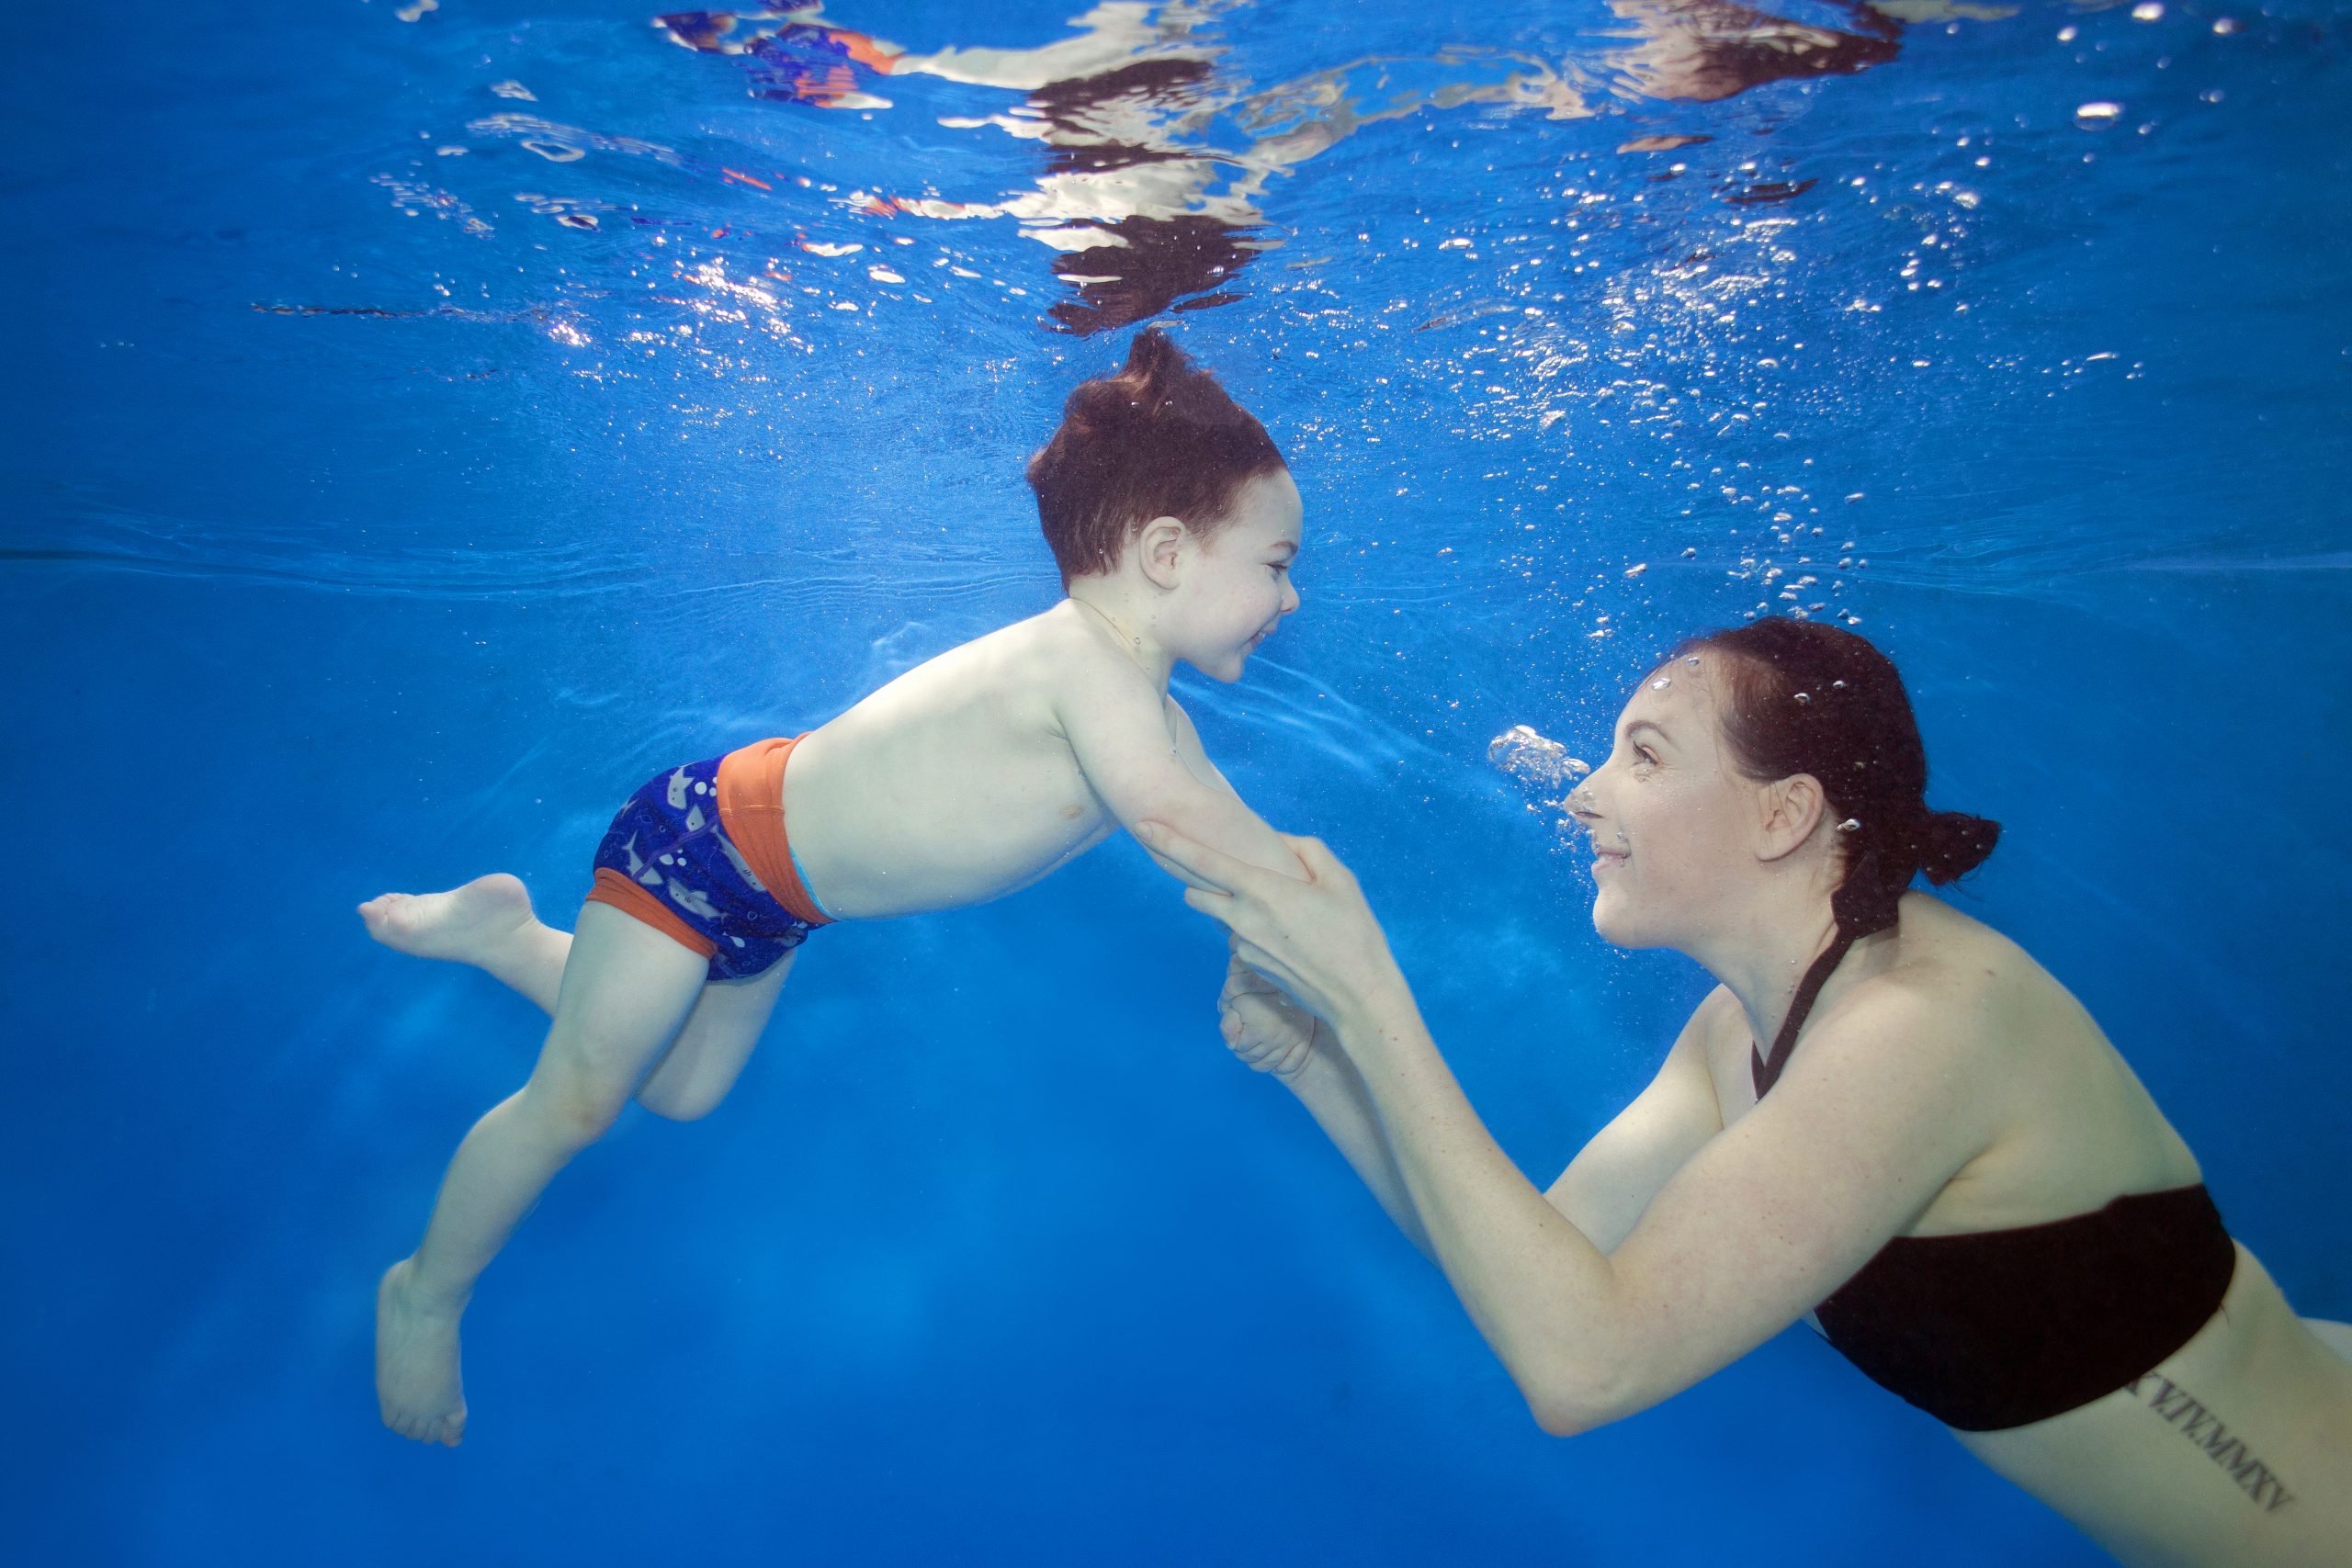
1531,758
1851,825
1661,683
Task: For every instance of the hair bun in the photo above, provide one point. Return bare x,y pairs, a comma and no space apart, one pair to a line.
1108,404
1140,392
1154,360
1953,843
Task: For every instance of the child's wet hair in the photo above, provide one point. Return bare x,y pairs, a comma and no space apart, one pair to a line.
1158,439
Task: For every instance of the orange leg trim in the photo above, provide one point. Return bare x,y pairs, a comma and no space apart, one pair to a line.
634,901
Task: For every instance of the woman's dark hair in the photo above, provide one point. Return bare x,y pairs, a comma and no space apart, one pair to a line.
1805,697
1158,439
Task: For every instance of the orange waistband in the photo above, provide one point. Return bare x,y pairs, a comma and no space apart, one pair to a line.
750,813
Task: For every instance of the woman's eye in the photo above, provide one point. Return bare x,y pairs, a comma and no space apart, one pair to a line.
1644,754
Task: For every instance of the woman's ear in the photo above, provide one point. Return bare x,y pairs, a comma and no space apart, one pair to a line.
1159,548
1790,809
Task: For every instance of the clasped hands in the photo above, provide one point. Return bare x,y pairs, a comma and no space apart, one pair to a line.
1309,958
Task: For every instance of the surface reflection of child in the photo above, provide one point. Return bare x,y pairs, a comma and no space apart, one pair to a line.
1146,214
1174,522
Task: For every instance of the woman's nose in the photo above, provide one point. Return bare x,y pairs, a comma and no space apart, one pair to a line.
1290,595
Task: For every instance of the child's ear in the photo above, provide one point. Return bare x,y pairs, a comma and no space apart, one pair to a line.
1159,546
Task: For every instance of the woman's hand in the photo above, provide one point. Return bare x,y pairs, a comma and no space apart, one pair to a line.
1262,1026
1318,939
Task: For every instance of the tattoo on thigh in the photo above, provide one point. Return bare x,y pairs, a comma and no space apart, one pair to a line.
2200,1425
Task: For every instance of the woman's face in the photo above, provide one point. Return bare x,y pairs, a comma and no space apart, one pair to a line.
1672,820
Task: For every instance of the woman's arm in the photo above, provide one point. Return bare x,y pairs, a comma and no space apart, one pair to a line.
1614,1177
1275,1036
1605,1189
1763,1221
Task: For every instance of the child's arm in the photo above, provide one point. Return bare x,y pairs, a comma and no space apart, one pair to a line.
1142,757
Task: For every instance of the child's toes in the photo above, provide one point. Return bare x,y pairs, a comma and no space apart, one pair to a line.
388,918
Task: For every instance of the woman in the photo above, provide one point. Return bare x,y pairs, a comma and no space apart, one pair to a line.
1939,1157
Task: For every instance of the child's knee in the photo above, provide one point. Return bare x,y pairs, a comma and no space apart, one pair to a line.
576,1115
680,1103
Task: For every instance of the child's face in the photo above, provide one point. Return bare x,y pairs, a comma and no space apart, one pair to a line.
1236,587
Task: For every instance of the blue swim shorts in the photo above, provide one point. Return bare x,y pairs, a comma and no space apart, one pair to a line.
668,860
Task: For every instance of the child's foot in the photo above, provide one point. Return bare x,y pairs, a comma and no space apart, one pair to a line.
467,924
416,1364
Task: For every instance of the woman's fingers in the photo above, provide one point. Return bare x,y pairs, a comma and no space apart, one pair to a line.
1203,866
1260,1034
1240,980
1218,907
1323,867
1279,974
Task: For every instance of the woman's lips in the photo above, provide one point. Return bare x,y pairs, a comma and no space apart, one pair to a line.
1608,860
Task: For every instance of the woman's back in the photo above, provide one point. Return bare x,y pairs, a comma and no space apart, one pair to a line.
2159,1470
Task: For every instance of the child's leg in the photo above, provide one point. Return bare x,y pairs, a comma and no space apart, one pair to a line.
715,1042
486,923
620,1005
489,923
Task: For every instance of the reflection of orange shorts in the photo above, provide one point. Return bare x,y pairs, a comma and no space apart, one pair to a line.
722,883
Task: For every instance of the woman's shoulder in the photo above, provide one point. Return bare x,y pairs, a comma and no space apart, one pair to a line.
2069,1124
1946,956
1953,980
1717,1021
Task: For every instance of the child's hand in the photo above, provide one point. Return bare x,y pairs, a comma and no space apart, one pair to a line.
1263,1027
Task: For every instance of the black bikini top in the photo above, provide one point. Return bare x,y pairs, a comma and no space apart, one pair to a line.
1993,1329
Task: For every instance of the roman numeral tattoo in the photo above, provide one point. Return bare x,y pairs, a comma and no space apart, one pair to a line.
2200,1425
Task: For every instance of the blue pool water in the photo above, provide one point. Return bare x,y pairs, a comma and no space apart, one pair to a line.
422,424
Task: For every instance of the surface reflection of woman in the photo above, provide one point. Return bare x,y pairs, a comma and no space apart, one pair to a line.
1939,1154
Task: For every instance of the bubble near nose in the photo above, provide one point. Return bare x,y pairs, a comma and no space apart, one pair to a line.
1532,759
